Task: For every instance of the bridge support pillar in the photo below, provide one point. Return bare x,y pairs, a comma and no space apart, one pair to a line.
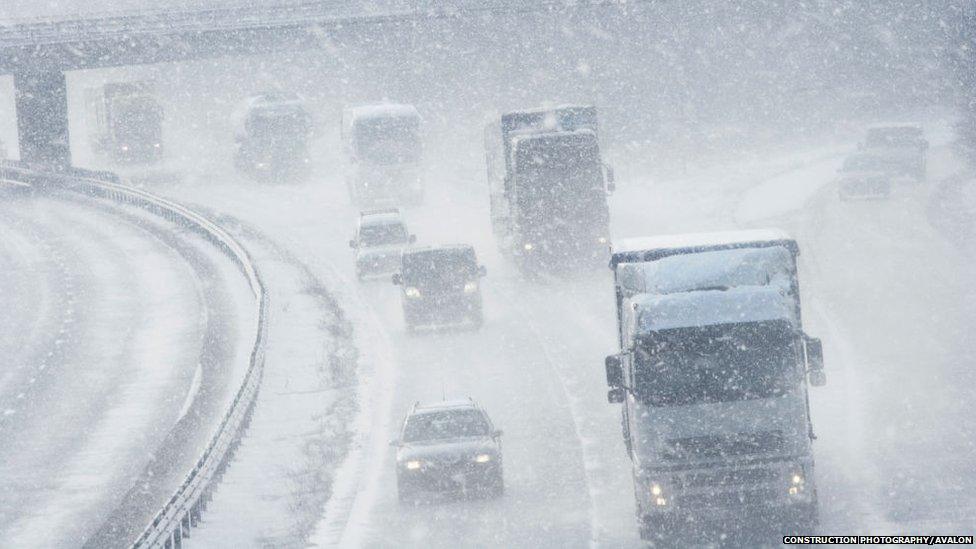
42,118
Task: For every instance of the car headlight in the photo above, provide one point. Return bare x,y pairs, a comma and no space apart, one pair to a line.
482,458
470,287
411,292
602,240
412,465
157,145
125,147
528,246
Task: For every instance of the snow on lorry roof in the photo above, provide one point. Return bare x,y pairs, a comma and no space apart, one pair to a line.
539,110
729,268
458,402
649,248
656,312
383,110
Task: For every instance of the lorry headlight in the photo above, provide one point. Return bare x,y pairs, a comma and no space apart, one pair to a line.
482,458
125,148
797,481
412,465
470,287
411,292
528,246
157,145
656,489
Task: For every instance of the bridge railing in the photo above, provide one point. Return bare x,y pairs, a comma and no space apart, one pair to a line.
184,507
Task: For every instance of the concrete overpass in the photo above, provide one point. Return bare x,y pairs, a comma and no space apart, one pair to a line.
39,52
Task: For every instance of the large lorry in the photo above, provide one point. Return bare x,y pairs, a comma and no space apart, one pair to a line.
383,151
126,121
272,131
712,374
548,187
900,148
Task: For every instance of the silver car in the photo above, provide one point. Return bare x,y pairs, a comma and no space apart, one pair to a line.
448,446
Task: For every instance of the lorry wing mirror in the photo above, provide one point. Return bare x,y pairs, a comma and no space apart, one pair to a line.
815,361
615,371
616,395
397,279
482,270
817,378
353,244
413,238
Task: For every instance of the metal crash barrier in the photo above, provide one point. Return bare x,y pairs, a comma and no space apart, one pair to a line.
182,511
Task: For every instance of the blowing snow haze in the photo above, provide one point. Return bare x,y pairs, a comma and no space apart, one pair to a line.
284,274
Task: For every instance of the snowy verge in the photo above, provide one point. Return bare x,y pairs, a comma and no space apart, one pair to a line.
299,431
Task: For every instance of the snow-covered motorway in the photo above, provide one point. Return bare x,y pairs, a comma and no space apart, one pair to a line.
115,334
894,425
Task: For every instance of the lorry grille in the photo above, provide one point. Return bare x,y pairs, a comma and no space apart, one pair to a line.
736,499
734,477
724,446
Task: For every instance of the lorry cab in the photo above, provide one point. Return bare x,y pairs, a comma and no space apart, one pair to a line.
383,150
272,131
381,235
712,374
440,285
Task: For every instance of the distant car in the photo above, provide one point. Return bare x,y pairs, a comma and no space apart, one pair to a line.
864,176
448,446
902,147
381,235
440,285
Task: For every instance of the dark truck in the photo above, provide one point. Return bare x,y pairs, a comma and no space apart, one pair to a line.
272,132
440,285
126,121
713,372
902,148
383,150
548,187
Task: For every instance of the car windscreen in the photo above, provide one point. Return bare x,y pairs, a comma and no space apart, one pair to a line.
721,363
445,425
439,267
382,235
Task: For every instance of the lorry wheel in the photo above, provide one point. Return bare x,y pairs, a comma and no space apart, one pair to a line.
404,494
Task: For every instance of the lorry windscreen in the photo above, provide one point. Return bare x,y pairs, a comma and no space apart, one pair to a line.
138,120
893,137
564,180
386,141
445,425
721,363
280,127
439,268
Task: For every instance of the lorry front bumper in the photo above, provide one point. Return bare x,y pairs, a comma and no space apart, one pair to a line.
450,308
781,490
